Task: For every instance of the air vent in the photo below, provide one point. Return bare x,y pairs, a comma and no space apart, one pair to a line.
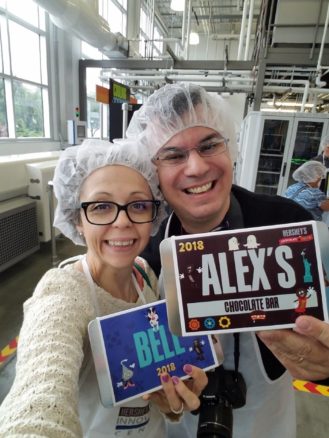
18,231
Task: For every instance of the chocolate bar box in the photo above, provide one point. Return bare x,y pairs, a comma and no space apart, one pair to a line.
245,279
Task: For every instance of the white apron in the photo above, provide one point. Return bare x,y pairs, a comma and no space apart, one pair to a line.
136,418
270,408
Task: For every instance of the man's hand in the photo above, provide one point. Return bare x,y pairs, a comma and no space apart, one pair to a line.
303,351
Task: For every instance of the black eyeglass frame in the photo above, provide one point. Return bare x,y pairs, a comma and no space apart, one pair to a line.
156,203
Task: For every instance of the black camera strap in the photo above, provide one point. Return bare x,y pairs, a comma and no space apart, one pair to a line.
236,351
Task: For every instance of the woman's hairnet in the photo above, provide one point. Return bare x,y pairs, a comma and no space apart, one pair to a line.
325,142
309,172
76,163
176,107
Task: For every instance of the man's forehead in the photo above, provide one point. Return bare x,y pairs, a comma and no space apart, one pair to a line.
193,134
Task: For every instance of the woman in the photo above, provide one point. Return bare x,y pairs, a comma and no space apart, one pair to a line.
107,199
306,191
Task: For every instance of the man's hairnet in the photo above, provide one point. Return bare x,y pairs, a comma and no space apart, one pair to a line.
309,172
325,142
76,163
176,107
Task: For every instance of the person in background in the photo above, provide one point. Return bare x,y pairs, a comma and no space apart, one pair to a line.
190,139
109,201
323,157
306,192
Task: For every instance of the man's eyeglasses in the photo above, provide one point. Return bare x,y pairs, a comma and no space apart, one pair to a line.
105,212
173,156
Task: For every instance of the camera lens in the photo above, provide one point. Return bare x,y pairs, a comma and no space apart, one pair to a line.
216,420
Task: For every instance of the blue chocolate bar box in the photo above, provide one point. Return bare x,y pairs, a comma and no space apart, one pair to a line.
132,348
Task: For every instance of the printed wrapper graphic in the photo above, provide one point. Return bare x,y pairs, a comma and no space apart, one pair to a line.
132,348
245,279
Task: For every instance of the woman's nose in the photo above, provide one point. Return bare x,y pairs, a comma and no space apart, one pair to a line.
122,220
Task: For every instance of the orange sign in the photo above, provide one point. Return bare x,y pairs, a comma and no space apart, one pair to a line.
102,94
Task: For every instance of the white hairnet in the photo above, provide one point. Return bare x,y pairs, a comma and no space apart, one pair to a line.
76,163
176,107
325,142
309,172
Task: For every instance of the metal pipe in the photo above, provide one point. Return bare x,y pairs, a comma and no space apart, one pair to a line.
173,71
250,18
242,30
191,78
184,26
50,190
152,27
323,40
84,22
299,90
316,30
291,81
188,29
269,29
305,96
124,119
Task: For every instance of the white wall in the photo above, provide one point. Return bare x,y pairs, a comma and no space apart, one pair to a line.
210,49
304,11
14,179
26,147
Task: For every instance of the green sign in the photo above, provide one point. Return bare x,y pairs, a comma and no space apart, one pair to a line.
119,93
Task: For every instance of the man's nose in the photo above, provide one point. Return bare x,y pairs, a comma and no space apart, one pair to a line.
195,164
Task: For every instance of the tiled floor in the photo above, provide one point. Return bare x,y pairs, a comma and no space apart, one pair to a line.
17,284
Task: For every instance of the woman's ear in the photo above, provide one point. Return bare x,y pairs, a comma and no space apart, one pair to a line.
80,229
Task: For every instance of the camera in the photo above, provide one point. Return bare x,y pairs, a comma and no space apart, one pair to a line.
226,390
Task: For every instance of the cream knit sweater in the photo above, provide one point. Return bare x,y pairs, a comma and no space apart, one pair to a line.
43,401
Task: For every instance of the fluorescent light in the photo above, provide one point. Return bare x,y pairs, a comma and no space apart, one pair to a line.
194,39
177,5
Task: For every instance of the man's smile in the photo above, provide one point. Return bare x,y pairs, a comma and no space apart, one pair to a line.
199,189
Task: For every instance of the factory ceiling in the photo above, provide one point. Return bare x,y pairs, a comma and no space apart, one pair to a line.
213,18
287,61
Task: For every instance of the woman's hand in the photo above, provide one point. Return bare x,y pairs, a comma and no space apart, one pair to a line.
177,395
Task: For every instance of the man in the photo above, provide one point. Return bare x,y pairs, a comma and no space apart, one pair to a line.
191,139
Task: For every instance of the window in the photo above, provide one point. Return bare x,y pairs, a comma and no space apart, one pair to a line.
24,100
3,111
150,45
97,113
115,13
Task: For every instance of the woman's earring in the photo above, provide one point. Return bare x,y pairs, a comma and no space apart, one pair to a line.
81,233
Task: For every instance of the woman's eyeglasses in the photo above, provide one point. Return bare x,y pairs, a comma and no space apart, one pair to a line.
106,212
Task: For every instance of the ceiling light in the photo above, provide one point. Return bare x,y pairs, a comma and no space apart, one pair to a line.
194,38
177,5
